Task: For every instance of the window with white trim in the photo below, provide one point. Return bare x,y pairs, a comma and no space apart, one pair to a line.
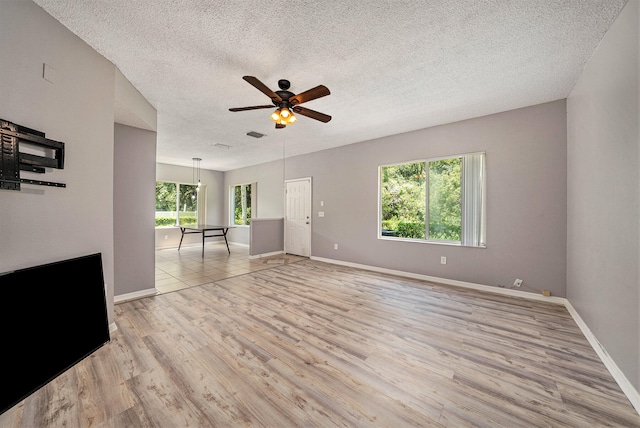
242,203
176,203
436,200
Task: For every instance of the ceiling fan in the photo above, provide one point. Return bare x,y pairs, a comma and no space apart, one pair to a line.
287,102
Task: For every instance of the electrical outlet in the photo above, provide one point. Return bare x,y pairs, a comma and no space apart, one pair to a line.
443,260
166,236
517,282
335,246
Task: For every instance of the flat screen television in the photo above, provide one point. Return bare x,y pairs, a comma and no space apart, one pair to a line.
52,316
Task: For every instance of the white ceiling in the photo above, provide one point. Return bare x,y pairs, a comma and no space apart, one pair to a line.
392,66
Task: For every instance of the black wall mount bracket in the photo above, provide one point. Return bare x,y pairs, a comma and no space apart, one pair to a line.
48,154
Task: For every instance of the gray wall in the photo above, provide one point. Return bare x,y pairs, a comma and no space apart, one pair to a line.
167,237
603,282
270,192
526,194
266,236
45,224
526,159
133,206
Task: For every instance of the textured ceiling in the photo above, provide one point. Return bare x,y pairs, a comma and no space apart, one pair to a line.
391,66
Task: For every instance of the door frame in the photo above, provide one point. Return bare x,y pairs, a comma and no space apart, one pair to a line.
310,180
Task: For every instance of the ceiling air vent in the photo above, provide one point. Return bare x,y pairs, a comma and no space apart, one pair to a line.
255,134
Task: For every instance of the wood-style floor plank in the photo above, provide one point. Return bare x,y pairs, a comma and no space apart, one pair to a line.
308,344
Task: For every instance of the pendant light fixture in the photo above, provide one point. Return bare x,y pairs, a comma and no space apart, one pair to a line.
196,172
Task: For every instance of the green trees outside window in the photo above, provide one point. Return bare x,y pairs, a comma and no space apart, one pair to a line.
176,204
423,200
445,202
403,200
241,204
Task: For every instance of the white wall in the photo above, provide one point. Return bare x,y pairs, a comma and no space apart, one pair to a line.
603,280
44,224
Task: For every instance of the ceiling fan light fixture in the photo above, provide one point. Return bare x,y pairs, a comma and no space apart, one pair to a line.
283,116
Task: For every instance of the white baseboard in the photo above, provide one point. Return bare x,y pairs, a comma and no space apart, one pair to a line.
474,286
632,394
274,253
136,295
627,388
239,244
112,327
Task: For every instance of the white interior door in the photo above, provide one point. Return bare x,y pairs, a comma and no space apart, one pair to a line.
297,221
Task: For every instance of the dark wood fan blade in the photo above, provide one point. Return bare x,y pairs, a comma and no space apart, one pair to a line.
280,126
250,108
312,114
313,93
262,88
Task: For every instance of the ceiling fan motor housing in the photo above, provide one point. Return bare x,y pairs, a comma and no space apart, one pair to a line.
284,84
284,95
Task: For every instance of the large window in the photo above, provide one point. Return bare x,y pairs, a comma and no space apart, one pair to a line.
176,203
241,203
436,200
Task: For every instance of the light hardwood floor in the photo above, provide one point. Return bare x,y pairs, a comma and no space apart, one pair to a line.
177,270
300,343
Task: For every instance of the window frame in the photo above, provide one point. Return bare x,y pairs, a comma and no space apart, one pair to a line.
252,202
463,216
177,206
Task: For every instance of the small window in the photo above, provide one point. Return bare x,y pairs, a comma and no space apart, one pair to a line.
438,200
176,203
242,197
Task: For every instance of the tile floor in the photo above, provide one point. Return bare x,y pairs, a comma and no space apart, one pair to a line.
176,270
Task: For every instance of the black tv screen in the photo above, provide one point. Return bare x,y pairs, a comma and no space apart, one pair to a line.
52,316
